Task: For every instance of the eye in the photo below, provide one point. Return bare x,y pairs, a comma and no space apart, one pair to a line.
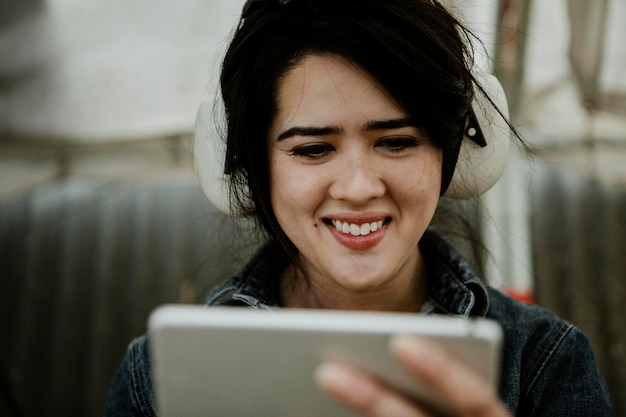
398,143
313,151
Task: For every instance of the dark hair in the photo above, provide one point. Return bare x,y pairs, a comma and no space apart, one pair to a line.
415,49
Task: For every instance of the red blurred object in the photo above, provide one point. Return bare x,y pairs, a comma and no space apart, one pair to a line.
525,296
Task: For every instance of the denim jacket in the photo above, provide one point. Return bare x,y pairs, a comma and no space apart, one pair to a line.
548,367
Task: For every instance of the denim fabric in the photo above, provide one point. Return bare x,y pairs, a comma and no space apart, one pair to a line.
130,393
548,367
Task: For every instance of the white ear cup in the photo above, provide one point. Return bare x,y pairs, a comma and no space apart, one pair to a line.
209,154
478,167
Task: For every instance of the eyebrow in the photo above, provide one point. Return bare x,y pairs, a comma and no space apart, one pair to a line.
309,131
331,130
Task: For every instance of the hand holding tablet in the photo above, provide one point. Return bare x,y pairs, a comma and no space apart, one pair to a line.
464,391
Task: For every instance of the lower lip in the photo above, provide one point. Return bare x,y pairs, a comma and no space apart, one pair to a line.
358,242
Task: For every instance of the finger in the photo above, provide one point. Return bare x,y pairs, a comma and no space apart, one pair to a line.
362,393
464,389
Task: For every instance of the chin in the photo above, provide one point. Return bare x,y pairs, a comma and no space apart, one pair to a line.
360,283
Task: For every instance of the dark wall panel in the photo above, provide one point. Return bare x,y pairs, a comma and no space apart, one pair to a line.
82,265
579,252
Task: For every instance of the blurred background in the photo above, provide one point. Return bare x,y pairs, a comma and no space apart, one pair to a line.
102,219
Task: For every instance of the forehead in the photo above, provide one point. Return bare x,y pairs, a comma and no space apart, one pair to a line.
323,88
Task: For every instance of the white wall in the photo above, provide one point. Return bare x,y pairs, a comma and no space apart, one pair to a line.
554,105
110,69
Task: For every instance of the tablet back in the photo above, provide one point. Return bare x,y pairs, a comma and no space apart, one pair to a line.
250,363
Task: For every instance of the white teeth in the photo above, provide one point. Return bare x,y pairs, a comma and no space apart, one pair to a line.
355,229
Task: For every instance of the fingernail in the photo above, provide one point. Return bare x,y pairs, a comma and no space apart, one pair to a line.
329,375
410,347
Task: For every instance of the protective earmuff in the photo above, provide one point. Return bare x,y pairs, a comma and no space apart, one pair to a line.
480,164
209,155
485,146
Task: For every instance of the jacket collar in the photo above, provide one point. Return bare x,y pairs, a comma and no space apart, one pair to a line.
454,288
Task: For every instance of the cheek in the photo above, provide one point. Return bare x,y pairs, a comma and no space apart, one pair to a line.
292,190
421,177
278,188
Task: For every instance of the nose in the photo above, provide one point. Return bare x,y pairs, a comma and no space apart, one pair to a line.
357,180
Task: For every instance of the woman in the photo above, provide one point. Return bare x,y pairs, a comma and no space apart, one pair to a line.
345,119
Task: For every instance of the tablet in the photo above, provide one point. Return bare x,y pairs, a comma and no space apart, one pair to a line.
241,362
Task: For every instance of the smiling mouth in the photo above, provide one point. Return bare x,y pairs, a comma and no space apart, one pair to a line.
356,229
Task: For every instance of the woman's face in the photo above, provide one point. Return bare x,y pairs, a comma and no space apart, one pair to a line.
354,182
